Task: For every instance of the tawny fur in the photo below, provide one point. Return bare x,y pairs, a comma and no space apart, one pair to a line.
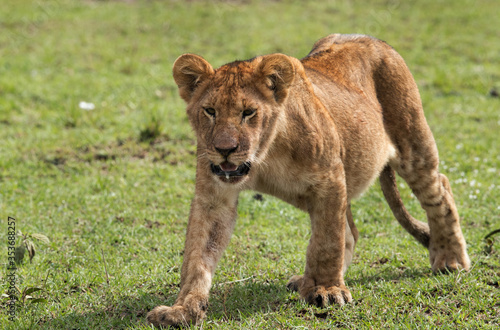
317,132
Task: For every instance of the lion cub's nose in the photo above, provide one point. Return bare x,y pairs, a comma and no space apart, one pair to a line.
225,143
225,152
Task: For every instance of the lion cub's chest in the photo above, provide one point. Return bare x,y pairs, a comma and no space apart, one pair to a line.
281,178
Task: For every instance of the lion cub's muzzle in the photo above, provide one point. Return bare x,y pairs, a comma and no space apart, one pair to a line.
228,171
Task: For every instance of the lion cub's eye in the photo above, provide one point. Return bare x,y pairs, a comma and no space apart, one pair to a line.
248,113
210,111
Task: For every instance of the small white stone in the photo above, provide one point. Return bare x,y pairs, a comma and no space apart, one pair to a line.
86,105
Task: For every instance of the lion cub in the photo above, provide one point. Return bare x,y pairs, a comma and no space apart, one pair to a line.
316,133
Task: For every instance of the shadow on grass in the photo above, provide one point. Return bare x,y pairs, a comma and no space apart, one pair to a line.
227,302
238,301
390,275
119,312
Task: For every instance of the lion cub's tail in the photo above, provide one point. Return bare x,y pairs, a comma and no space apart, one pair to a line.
418,229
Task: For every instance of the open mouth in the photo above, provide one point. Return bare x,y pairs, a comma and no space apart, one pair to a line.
229,170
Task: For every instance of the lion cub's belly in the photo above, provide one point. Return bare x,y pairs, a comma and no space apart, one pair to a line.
367,147
362,172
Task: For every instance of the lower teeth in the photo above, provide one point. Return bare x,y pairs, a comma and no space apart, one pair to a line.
227,176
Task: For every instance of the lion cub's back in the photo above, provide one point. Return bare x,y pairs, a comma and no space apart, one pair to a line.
347,59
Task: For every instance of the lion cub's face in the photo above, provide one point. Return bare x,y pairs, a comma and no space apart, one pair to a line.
234,110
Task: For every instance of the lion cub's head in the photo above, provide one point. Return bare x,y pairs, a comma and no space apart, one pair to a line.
234,110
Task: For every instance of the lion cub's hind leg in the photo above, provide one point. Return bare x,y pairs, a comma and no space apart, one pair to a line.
351,237
417,159
447,247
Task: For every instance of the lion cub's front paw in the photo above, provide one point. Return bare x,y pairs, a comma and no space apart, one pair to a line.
165,316
294,283
321,296
172,316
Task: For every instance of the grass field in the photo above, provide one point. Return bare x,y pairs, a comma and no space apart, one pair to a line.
110,181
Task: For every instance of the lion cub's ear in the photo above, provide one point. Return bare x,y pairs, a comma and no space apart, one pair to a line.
189,71
276,72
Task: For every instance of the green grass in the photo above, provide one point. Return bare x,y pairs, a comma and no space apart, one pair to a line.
111,187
